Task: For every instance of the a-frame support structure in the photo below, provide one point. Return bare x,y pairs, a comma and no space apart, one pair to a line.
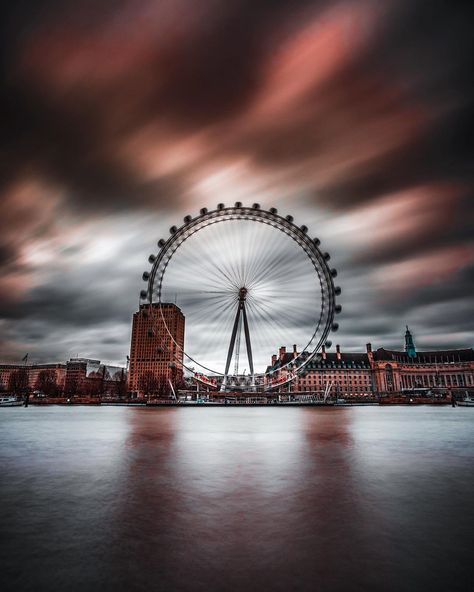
237,327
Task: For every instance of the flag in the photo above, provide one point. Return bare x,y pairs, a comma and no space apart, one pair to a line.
24,358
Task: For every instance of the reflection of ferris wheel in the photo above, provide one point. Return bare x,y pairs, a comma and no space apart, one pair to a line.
244,277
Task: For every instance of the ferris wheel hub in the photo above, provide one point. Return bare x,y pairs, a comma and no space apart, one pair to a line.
242,294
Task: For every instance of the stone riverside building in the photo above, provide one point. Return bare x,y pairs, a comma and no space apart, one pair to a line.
380,371
32,372
335,372
156,350
78,376
395,371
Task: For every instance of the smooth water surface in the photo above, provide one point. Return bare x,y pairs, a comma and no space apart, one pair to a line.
217,499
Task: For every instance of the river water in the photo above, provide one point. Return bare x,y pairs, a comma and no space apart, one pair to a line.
220,499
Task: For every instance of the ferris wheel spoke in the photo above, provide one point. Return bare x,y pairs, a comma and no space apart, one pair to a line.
264,262
267,339
223,307
262,324
281,268
281,318
204,269
219,312
275,253
265,317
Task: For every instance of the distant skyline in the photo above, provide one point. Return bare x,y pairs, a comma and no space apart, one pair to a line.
122,117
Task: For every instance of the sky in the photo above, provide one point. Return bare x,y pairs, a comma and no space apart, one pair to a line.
119,117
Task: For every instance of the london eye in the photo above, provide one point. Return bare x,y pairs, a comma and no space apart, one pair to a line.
247,281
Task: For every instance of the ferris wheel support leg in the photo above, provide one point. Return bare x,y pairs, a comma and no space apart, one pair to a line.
231,349
248,346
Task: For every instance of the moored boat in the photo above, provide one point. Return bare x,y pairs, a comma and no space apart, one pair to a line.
10,401
466,402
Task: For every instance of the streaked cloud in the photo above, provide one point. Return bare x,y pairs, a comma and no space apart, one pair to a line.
120,117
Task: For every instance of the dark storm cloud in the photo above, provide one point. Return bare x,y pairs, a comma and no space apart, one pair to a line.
362,109
70,306
425,50
450,292
67,130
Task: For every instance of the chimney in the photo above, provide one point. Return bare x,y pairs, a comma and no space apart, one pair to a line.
338,352
323,352
282,352
274,359
295,353
370,355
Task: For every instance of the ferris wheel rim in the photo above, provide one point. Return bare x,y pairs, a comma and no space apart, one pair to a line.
286,225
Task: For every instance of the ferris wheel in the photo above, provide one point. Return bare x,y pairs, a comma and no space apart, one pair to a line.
245,279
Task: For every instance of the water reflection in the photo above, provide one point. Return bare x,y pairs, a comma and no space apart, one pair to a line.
237,499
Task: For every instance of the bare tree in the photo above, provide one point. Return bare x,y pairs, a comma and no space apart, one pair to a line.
148,384
120,384
93,387
18,381
46,383
72,384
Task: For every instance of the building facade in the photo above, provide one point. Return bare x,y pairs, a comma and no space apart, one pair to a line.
329,374
395,371
86,377
35,376
78,376
156,350
377,372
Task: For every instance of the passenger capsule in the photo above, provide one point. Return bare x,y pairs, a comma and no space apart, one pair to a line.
327,256
337,308
328,344
334,326
238,204
316,241
304,229
143,294
146,276
203,211
161,243
173,230
334,272
289,218
256,206
152,258
188,219
337,291
273,211
220,206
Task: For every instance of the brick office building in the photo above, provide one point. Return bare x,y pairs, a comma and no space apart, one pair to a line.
35,375
86,377
156,350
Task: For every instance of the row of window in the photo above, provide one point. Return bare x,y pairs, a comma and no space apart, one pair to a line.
428,380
